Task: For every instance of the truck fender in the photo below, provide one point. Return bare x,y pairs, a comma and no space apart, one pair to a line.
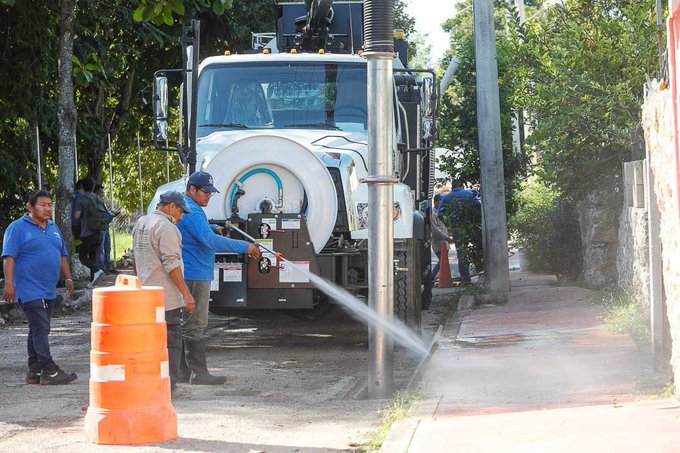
418,225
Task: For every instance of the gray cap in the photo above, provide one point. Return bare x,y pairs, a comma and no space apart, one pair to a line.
172,196
202,180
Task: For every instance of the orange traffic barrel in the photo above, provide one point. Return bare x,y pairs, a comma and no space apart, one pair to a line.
130,401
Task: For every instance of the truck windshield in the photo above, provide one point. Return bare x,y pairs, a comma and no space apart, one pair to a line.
278,95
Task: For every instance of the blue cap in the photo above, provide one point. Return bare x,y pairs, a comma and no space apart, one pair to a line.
172,196
202,180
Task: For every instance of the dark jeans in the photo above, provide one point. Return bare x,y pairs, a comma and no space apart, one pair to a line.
89,250
460,242
104,255
173,320
38,313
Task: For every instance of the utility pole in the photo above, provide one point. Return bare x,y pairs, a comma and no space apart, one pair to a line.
495,228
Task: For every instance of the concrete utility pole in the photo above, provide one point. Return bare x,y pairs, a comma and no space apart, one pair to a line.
495,228
379,51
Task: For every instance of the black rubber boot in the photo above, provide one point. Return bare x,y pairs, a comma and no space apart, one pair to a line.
53,375
196,359
33,373
184,370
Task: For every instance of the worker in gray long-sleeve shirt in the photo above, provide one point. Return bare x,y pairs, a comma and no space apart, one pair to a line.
157,248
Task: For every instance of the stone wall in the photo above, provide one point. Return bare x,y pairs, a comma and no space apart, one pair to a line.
657,121
632,261
598,219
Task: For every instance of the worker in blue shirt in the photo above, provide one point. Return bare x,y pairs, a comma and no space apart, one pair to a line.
33,256
459,209
200,242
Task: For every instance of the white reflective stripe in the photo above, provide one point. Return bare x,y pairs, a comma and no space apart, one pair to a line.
165,369
160,314
107,373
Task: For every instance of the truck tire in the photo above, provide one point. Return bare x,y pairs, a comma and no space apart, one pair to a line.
408,286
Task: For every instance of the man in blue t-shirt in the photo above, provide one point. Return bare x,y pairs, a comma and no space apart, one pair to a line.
200,241
33,256
460,209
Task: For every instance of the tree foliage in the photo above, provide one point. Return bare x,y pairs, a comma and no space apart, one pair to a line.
581,71
458,121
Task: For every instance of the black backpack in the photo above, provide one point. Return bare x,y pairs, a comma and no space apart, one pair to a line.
97,217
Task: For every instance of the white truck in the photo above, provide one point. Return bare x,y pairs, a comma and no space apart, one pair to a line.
283,131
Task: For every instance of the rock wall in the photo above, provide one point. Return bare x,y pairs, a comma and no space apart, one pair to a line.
657,120
632,261
598,219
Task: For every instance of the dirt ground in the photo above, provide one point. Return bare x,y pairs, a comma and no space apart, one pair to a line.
296,386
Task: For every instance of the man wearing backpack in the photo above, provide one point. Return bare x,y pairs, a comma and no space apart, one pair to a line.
94,218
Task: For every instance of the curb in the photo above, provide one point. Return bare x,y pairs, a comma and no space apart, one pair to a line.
402,432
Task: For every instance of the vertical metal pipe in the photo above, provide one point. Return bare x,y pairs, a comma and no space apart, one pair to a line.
660,32
113,230
139,165
37,149
380,223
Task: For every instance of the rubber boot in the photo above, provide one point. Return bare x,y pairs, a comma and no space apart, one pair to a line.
197,361
184,370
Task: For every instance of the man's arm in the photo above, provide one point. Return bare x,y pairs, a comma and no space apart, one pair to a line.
66,273
198,227
178,279
170,246
8,269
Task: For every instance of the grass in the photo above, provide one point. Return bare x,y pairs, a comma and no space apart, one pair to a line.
622,314
403,400
123,242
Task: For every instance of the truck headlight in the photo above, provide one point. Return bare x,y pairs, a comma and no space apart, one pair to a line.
362,214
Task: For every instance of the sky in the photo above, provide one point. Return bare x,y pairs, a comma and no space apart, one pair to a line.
429,15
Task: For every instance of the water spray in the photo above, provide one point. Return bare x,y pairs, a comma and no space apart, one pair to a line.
395,329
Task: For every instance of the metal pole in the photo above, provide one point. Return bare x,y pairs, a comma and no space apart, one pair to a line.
496,272
113,230
380,226
167,159
139,164
660,32
75,158
37,149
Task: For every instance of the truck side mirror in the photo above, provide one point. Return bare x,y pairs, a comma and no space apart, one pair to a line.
160,108
427,106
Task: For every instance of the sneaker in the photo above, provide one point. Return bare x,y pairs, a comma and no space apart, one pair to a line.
97,276
53,375
33,373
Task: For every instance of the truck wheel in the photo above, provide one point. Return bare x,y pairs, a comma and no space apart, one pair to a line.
408,286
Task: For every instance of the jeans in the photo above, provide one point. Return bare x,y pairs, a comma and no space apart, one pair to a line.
104,254
89,250
435,269
38,313
194,325
173,320
463,259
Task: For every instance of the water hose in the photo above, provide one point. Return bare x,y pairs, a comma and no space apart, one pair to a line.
242,180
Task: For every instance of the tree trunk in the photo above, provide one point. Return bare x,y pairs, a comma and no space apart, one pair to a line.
66,117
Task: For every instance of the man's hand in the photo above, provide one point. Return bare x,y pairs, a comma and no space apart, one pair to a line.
189,303
219,230
254,252
69,287
8,294
279,256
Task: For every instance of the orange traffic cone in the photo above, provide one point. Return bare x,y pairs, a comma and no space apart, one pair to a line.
129,376
445,280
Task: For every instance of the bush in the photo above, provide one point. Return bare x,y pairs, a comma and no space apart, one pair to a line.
546,227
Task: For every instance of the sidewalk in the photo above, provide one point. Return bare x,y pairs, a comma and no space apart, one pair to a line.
540,374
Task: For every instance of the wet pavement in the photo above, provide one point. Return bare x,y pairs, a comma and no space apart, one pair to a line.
540,373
